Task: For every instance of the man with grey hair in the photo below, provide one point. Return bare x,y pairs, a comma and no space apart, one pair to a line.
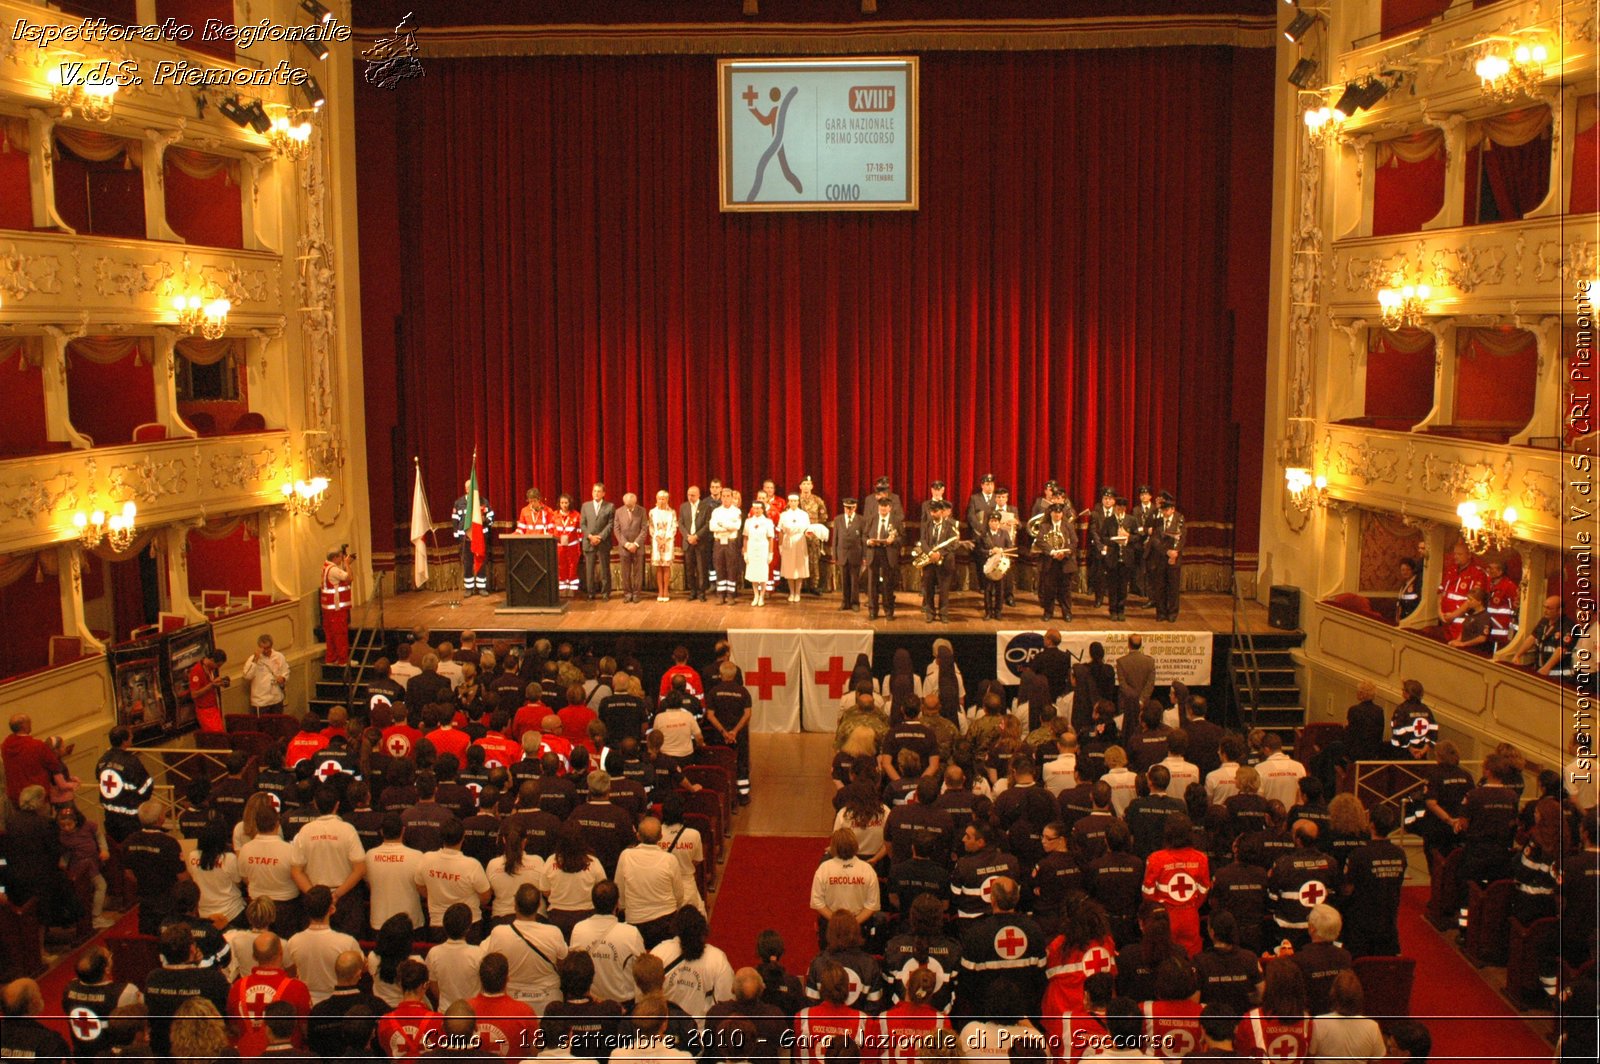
632,530
607,827
22,1035
650,885
1003,945
428,686
267,670
156,861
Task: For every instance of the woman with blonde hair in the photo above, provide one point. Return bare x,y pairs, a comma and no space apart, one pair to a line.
198,1034
245,829
860,745
1349,828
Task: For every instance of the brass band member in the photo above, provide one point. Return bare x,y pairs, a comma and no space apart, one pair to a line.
1122,559
883,555
1102,523
1167,571
1055,548
999,543
936,551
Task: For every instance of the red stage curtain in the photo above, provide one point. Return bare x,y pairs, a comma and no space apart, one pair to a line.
225,558
1403,16
22,430
1519,177
102,197
1406,194
1399,375
195,13
106,400
1496,370
202,193
34,592
572,304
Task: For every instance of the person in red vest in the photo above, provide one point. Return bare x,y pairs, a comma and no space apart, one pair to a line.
1504,598
413,1027
816,1027
203,685
1280,1028
307,742
266,983
1179,877
1172,1019
335,597
1462,573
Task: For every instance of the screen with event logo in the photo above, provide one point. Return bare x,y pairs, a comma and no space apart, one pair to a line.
818,134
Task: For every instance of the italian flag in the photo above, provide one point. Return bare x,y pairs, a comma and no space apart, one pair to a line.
475,518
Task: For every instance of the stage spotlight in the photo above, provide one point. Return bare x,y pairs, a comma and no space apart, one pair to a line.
256,115
1300,25
1373,91
1350,101
234,110
1304,73
317,49
315,97
317,12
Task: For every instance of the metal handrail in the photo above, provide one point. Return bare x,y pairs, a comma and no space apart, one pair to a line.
1244,643
1407,777
174,766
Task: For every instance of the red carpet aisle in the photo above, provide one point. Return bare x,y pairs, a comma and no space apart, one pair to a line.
1481,1025
766,883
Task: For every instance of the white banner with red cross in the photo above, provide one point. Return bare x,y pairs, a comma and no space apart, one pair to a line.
796,679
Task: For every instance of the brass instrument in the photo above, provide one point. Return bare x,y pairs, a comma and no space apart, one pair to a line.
925,558
1033,522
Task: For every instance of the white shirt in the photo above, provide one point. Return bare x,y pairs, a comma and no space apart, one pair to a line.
930,681
505,885
392,882
451,670
266,861
328,848
613,946
264,672
869,836
533,978
312,954
388,993
1220,784
219,886
1183,774
694,986
1335,1037
679,731
241,946
572,891
649,883
453,964
401,672
849,885
450,876
1280,778
1124,784
685,844
1060,773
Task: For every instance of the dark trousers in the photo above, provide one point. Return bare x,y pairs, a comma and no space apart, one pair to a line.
597,570
994,593
1096,576
654,932
1165,588
632,569
728,565
850,582
1055,586
880,581
696,561
1116,584
936,581
979,581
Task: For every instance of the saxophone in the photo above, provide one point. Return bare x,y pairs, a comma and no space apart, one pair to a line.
925,558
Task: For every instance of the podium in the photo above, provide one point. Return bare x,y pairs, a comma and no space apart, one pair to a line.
532,579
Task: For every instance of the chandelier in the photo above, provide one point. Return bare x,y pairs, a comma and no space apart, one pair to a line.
1322,123
196,314
1506,76
304,497
117,530
1404,307
1486,530
1305,491
290,134
76,89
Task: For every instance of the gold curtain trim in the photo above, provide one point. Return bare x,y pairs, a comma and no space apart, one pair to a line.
14,567
100,147
1510,130
24,346
105,350
1472,341
1003,35
206,352
202,166
1400,341
13,134
1416,147
222,528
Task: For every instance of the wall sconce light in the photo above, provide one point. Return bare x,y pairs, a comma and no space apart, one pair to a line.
1405,307
304,497
1486,530
1507,71
78,88
1321,125
196,314
1305,491
117,529
290,134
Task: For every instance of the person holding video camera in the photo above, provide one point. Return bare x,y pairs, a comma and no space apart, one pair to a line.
335,598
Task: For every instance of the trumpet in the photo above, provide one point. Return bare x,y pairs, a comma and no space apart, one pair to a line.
926,557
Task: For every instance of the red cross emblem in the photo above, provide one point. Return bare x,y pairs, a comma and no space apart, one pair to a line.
1010,942
836,676
1420,727
1096,960
1180,1042
398,745
328,770
476,790
276,804
1312,893
852,985
765,680
86,1025
986,892
1180,888
749,95
1284,1047
110,783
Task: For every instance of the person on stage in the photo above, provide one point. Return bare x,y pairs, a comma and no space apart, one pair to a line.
724,526
935,495
663,542
1055,548
562,522
1050,493
759,533
631,527
979,503
714,497
1102,524
997,537
897,508
1168,570
594,524
1144,515
850,552
939,572
694,517
1011,521
883,556
534,517
335,599
817,512
794,558
474,578
1122,558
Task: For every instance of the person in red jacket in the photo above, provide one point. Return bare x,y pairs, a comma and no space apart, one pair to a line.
902,1027
1179,877
832,1019
1083,950
681,667
400,738
1072,1032
1462,573
413,1027
266,983
1280,1028
1172,1020
307,742
1504,598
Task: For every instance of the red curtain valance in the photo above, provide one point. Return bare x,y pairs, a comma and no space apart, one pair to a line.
1416,147
96,147
23,346
142,541
203,166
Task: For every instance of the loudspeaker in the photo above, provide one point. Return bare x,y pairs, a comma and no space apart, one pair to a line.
1283,607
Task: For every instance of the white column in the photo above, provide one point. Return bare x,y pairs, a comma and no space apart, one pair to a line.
164,367
41,170
53,372
1563,128
155,186
1444,373
69,561
1550,385
176,539
1455,168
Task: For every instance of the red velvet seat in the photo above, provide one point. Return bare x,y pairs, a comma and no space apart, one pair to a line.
1488,937
724,757
21,940
1386,984
149,432
249,421
1443,911
1528,944
134,957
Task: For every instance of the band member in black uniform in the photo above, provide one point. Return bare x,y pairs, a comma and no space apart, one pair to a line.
979,503
849,548
1144,514
1123,557
936,551
1167,564
935,496
1011,521
883,556
1055,549
999,541
1102,521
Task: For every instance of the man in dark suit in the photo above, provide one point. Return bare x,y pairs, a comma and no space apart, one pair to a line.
1054,664
594,524
939,574
693,517
897,508
883,557
631,526
1119,557
979,503
1055,552
1011,521
850,551
1167,565
1136,671
935,495
1102,526
1144,514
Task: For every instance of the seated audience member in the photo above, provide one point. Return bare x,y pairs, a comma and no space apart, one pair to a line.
1342,1032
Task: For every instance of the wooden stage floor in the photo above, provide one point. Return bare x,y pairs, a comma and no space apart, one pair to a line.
445,611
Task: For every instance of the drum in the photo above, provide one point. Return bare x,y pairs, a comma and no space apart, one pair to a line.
996,566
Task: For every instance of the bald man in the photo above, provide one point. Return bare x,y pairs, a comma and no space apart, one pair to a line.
21,1035
650,885
326,1033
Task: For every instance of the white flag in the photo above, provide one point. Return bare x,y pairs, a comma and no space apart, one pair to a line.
421,525
827,659
770,659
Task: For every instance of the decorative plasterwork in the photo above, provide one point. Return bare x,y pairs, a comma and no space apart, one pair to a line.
1365,460
24,274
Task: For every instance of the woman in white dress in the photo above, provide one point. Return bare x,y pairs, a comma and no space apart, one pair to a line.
663,533
758,536
794,559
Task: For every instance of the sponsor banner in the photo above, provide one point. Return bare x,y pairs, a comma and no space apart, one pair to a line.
796,679
1181,657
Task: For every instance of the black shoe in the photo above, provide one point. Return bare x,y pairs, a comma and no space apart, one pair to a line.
1067,617
1097,602
855,607
872,615
944,618
1046,615
927,615
843,606
889,614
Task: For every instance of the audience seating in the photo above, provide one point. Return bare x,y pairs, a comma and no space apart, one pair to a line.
1444,912
134,957
716,780
172,622
250,421
259,599
149,432
1528,944
724,757
1488,917
201,422
1312,739
254,743
21,939
709,806
1386,984
65,649
215,603
710,841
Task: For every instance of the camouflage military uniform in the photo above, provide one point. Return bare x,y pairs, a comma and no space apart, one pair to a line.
817,511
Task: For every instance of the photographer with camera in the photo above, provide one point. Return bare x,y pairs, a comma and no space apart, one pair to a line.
335,598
